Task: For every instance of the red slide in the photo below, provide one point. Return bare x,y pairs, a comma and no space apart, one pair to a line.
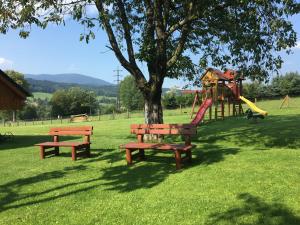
201,112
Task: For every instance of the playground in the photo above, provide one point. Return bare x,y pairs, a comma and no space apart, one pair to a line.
242,172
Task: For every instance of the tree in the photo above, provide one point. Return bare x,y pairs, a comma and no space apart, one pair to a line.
18,78
289,84
28,112
130,95
164,34
73,101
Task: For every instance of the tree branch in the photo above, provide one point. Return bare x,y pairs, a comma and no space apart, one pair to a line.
132,68
126,27
181,23
180,47
149,33
185,24
158,15
190,16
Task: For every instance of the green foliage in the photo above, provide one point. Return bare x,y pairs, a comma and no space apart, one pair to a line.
248,31
169,100
288,84
173,99
131,97
73,101
28,112
18,78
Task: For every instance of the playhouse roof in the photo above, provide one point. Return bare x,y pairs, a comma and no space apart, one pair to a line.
214,75
12,95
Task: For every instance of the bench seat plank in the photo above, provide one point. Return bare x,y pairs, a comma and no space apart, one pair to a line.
62,144
160,146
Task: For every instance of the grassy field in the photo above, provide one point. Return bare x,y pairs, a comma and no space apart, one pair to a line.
242,173
42,95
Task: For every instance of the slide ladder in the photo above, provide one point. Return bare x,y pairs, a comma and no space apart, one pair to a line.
201,112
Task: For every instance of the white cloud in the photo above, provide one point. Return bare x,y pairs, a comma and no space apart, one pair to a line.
5,63
297,45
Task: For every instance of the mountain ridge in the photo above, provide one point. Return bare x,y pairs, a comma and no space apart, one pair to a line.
69,78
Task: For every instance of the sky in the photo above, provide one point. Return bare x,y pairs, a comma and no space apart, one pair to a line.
57,50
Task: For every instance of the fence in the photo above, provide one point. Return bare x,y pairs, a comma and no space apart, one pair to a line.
66,119
99,117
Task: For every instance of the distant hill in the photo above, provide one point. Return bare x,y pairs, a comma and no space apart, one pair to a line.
69,78
50,87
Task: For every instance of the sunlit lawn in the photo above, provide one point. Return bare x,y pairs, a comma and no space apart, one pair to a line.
242,173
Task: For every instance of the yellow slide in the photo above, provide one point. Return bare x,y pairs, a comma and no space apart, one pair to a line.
253,106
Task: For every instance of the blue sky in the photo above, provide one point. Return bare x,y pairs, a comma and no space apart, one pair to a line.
58,50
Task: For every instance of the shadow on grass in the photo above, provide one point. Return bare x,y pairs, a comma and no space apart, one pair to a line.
156,168
210,153
255,211
273,131
11,196
23,141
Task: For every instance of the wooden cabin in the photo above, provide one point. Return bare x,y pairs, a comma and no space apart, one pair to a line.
12,95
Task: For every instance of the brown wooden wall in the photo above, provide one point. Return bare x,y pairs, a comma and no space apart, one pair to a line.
9,99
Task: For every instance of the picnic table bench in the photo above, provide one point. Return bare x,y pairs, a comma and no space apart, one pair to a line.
185,130
83,147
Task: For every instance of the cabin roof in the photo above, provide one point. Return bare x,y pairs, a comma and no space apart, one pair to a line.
4,78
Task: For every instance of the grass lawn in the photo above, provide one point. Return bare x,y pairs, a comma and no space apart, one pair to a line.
42,95
242,173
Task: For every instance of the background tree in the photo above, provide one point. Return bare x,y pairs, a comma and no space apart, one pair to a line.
18,78
28,112
164,34
73,101
130,95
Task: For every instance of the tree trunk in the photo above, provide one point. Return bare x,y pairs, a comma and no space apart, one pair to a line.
153,109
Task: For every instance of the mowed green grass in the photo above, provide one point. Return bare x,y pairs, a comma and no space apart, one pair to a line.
242,173
42,95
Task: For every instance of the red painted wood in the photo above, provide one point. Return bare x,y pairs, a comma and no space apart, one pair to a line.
164,131
42,152
82,128
128,156
62,133
136,126
159,146
62,144
178,159
73,153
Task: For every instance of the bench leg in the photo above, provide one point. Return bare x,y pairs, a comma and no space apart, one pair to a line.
42,152
128,156
178,159
88,151
73,153
142,154
56,150
189,155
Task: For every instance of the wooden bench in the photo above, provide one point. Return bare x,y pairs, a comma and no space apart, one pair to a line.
185,130
85,131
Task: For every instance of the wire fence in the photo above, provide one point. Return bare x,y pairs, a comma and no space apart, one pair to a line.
67,119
